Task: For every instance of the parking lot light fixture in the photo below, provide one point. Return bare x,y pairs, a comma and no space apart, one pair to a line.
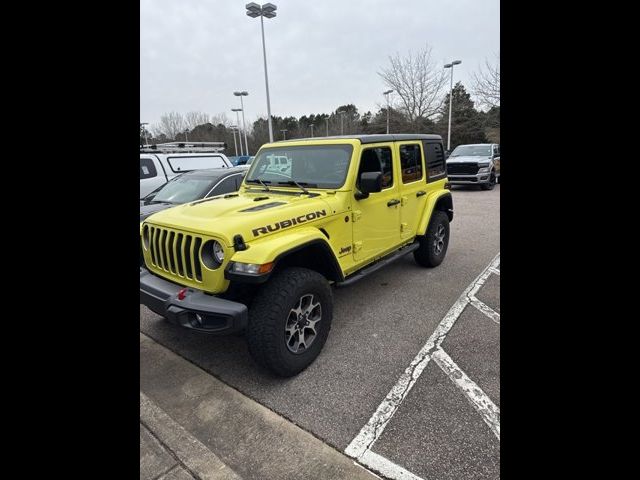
235,144
238,121
244,125
266,10
450,65
386,94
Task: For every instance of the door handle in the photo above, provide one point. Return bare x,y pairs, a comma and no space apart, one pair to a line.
393,202
420,193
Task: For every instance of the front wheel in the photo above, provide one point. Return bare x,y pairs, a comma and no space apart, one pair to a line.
289,320
434,244
491,184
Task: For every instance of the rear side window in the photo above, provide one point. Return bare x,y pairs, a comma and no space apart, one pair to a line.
436,166
147,168
410,163
227,185
184,164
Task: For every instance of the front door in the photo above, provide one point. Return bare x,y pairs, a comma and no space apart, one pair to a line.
376,219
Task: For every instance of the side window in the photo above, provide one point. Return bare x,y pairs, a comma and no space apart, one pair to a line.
147,168
410,163
227,185
436,166
184,164
378,160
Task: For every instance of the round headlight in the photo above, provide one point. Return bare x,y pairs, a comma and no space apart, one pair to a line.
212,254
218,252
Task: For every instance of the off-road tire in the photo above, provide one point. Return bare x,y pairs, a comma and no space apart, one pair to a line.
490,184
268,316
428,255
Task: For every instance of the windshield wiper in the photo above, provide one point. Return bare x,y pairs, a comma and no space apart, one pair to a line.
299,185
262,182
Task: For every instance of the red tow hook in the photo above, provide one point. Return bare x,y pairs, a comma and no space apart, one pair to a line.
182,293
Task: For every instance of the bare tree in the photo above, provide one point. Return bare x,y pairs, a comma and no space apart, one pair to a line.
486,86
193,119
418,81
170,125
220,119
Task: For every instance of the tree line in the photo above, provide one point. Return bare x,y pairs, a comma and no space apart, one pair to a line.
420,105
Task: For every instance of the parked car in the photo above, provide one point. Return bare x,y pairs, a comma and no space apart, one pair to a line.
477,164
191,186
160,163
265,260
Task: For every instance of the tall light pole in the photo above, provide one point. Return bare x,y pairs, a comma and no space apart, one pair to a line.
450,65
235,145
386,94
311,125
266,10
186,139
284,133
238,121
341,123
144,131
244,125
327,125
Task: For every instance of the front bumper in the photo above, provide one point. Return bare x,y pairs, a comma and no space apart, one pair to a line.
469,179
197,311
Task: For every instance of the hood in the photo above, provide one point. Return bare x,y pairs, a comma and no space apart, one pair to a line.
252,215
147,210
468,159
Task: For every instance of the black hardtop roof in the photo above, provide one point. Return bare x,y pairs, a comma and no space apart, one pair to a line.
392,137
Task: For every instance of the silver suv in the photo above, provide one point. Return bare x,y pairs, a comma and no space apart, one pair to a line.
477,164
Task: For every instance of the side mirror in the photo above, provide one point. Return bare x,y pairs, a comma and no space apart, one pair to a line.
370,182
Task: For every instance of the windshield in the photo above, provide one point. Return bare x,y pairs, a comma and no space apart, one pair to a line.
472,151
317,166
183,189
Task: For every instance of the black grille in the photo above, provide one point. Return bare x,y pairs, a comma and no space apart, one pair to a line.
462,168
175,252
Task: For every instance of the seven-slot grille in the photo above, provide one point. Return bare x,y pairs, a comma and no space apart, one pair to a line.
462,168
176,253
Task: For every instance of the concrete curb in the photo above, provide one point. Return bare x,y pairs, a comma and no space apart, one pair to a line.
191,453
253,441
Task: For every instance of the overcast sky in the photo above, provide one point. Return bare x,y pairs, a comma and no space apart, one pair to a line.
321,54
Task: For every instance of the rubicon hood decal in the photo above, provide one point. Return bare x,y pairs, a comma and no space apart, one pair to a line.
288,223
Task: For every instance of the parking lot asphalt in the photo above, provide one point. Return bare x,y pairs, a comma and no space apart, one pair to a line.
380,324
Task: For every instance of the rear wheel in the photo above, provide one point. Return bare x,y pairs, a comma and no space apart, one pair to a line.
289,321
434,244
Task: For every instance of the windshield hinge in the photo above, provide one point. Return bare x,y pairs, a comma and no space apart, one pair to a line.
355,215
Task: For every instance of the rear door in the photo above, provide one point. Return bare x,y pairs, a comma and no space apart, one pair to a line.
413,187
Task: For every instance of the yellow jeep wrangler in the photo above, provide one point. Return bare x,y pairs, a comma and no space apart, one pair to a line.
263,260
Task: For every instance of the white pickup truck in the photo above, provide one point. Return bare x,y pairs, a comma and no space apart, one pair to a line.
160,163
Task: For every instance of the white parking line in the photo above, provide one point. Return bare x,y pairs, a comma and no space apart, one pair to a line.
489,411
360,446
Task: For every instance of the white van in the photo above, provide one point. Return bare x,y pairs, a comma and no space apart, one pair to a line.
160,163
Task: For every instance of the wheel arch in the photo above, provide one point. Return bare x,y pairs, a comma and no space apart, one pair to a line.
442,201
